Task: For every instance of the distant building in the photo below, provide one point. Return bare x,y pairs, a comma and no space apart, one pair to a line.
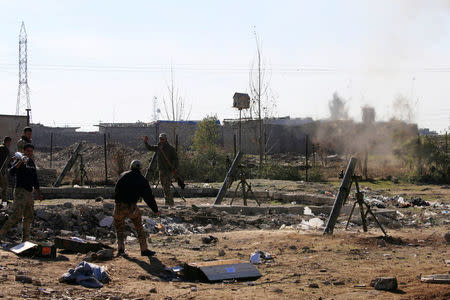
12,126
427,131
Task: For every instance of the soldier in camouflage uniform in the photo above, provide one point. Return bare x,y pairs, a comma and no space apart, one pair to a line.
129,188
167,164
24,171
5,157
25,139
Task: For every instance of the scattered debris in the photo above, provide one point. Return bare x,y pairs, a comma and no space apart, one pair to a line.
419,202
101,255
258,256
79,245
381,243
25,248
307,211
31,249
131,239
314,223
24,279
306,249
87,275
384,283
209,239
447,238
214,271
436,278
106,221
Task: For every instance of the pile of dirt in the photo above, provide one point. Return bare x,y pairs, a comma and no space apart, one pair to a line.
118,158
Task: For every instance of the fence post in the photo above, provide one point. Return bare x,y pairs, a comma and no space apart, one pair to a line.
106,160
234,144
51,149
314,155
306,155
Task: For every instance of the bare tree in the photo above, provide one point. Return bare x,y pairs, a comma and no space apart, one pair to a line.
263,102
175,104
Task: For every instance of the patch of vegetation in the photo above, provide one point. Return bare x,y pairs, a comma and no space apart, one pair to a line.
427,158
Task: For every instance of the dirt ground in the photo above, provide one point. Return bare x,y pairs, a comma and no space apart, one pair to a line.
341,265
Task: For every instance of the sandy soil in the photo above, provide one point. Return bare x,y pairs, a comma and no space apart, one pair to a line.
337,264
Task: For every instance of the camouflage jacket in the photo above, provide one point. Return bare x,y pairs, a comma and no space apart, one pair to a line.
21,143
170,153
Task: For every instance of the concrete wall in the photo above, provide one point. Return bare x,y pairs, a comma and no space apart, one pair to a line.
62,137
277,138
132,135
12,126
342,136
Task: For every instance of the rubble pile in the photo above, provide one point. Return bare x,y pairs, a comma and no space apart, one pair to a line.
95,221
398,201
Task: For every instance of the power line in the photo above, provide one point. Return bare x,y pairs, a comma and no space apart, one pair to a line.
225,68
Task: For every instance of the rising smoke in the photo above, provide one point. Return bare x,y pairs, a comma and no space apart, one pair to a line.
337,107
368,114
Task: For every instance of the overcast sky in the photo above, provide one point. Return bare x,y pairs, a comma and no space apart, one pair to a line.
92,61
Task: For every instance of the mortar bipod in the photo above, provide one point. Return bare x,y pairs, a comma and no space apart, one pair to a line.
359,199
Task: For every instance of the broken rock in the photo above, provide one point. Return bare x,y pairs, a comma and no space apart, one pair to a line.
24,279
209,239
447,238
106,221
385,283
68,205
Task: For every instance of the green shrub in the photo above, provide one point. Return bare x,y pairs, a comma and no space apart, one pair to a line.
208,166
281,172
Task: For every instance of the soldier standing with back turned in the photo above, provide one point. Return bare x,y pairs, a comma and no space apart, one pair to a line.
129,188
167,164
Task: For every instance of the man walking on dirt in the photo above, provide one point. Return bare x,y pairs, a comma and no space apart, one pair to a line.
24,171
25,139
5,157
129,188
167,164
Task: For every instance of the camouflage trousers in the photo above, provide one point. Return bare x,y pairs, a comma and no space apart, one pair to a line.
166,181
4,187
23,208
123,211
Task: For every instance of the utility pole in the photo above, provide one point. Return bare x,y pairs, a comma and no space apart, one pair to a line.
105,153
155,109
28,116
23,93
261,148
51,149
